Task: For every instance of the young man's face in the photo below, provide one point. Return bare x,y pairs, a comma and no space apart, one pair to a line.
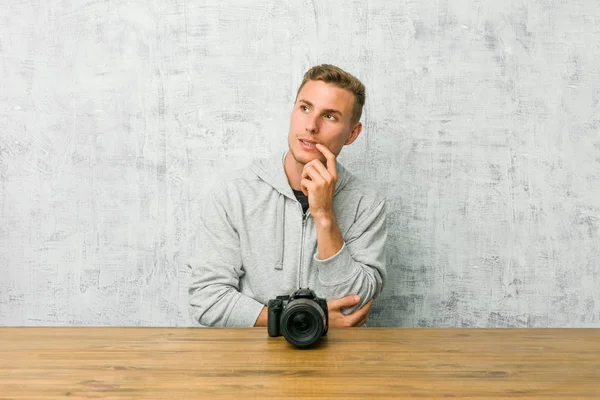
322,114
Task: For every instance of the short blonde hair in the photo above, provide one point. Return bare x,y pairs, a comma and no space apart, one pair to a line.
331,74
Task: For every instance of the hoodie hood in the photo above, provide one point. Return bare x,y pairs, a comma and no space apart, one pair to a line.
271,170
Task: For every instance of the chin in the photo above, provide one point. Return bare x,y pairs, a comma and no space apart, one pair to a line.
299,156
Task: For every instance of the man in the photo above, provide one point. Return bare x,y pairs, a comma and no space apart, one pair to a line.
298,219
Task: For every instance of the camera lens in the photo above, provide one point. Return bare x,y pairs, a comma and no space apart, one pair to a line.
302,322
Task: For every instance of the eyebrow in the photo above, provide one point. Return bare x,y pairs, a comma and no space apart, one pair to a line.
329,110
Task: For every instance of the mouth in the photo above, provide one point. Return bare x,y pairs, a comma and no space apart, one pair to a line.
307,144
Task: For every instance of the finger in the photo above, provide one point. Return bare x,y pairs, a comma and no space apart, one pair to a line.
347,301
306,185
305,172
368,304
362,321
318,166
331,166
359,314
312,172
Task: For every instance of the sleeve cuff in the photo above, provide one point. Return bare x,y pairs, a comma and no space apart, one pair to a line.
338,268
245,312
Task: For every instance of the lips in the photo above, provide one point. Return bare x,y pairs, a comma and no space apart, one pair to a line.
308,144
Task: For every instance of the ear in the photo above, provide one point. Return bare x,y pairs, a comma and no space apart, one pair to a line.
354,134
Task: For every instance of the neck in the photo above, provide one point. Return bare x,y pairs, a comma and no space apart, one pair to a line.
293,170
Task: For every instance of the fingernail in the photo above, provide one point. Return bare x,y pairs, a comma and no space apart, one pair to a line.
356,298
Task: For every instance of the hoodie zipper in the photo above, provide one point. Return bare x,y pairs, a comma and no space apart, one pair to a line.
304,219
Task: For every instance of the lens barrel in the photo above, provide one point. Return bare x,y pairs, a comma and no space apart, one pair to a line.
302,322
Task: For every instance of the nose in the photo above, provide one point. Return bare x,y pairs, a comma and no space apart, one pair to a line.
311,125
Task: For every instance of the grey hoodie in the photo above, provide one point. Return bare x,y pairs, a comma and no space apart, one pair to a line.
254,243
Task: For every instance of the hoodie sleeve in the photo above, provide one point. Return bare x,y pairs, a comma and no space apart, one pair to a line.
216,269
359,267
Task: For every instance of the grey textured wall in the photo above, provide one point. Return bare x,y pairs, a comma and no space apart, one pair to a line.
482,126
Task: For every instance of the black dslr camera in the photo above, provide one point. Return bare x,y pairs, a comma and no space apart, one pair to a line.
301,318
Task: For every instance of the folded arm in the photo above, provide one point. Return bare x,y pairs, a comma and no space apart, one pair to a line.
216,269
358,266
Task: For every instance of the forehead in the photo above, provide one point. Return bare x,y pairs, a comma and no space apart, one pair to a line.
326,95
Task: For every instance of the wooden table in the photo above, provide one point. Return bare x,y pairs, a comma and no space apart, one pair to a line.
190,363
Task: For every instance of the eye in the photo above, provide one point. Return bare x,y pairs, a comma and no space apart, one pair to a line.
303,107
330,117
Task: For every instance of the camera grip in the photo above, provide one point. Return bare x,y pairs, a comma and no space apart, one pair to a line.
273,313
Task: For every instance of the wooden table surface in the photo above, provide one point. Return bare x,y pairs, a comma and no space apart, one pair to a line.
190,363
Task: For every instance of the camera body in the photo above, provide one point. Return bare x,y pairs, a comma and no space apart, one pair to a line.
302,317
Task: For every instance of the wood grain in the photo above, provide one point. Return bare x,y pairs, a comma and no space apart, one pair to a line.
177,363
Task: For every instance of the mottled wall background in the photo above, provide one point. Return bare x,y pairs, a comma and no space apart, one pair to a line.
482,127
